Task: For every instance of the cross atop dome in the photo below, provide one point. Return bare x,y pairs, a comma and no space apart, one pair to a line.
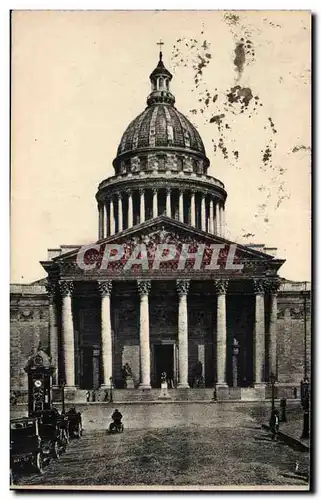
160,43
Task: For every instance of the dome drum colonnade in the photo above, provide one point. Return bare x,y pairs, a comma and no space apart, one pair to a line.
128,207
161,169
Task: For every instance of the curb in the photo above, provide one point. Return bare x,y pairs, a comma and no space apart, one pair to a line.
289,439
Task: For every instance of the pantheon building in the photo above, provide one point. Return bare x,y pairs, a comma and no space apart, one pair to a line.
230,327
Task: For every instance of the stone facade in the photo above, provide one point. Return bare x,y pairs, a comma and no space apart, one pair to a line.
29,308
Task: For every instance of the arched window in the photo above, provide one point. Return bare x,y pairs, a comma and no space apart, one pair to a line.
160,83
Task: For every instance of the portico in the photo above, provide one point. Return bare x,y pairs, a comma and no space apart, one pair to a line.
105,323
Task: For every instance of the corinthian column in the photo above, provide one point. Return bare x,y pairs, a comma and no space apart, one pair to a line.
144,289
142,206
67,327
259,332
104,288
130,209
168,202
273,287
221,288
53,329
182,290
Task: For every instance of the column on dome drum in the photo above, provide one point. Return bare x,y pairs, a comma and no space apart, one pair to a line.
130,209
142,210
186,205
193,209
111,216
215,218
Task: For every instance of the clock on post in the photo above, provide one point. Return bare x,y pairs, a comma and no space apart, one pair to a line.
40,371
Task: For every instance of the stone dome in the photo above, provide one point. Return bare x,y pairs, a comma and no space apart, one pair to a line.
160,125
160,170
160,130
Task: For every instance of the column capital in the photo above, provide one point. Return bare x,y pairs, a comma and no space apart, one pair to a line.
182,287
221,286
143,287
51,287
66,288
259,286
168,190
154,190
141,190
272,286
105,287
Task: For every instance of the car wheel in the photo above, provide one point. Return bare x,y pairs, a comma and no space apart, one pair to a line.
38,462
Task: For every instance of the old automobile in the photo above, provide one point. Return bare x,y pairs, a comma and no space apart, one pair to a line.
74,423
26,445
53,429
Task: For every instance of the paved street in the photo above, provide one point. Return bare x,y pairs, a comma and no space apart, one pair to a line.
174,457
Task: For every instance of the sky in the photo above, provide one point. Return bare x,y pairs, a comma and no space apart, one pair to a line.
78,79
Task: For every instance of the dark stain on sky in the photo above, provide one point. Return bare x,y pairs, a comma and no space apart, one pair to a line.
217,106
301,148
239,60
231,19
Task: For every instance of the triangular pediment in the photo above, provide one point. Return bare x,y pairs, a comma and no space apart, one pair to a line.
161,237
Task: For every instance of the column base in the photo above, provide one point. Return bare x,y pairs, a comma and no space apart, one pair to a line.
70,392
222,391
144,387
182,386
260,389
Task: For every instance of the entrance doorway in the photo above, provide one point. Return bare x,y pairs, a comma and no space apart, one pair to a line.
164,362
89,367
